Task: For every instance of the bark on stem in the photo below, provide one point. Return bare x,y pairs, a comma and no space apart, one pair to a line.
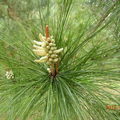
53,67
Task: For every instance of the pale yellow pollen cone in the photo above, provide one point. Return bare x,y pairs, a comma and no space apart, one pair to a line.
59,50
41,37
42,59
37,42
55,60
53,55
48,69
40,52
37,47
46,48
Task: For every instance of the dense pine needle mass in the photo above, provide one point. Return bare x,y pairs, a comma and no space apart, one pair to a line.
88,74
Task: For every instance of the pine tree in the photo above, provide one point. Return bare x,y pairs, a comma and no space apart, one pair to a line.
59,59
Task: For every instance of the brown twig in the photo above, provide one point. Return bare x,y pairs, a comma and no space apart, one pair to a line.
52,66
56,66
11,11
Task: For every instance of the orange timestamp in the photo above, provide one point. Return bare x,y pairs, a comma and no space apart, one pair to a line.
113,107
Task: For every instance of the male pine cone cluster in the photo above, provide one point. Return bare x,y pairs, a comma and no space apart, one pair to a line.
9,74
47,49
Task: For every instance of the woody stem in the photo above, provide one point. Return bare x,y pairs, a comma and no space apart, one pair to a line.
57,64
53,67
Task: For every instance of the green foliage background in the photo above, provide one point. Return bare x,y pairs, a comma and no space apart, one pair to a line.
89,74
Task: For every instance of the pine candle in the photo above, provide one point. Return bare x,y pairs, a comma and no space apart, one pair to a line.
47,50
